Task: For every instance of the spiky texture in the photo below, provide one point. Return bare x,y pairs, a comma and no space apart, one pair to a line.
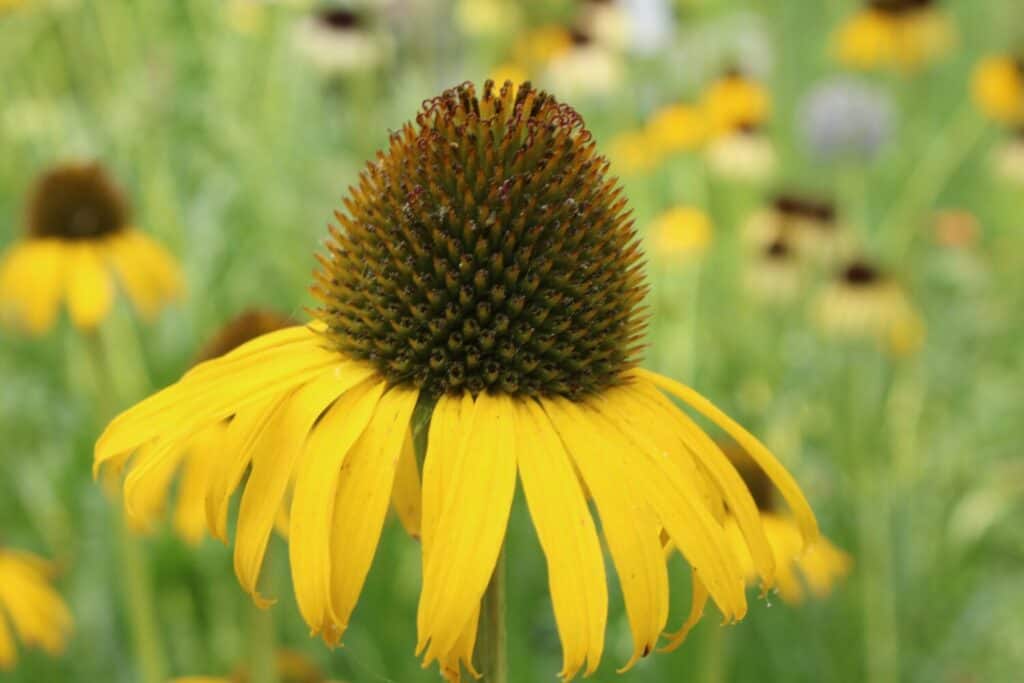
487,250
76,201
244,327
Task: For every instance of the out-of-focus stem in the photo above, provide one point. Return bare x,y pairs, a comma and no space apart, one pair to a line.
491,639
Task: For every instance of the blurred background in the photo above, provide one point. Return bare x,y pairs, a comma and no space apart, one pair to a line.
831,198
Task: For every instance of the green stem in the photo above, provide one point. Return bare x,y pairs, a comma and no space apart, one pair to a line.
713,656
138,589
881,633
491,638
939,163
263,667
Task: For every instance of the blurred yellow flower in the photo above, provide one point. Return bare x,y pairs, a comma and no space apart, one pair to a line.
809,226
631,152
541,45
29,607
511,73
677,128
79,243
245,16
607,21
735,102
742,155
904,34
325,411
819,566
340,41
864,303
998,89
1008,159
680,233
773,273
481,18
585,68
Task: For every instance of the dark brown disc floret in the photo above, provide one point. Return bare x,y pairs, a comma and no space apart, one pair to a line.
75,202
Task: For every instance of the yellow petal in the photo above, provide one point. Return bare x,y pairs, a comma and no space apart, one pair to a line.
148,275
697,602
90,291
203,451
32,283
361,502
273,464
475,505
629,524
462,654
37,612
722,472
268,366
406,494
316,487
673,496
762,456
149,494
567,535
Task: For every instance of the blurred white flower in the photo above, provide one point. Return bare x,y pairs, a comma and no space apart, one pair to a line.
340,41
744,155
586,68
1008,160
846,118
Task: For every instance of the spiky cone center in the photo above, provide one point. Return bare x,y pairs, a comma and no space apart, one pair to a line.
487,250
76,202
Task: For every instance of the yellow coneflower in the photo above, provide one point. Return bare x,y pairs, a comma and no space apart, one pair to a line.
905,34
744,154
510,71
340,41
816,568
292,667
632,152
607,21
484,270
809,225
1008,158
586,68
78,246
680,233
484,18
677,127
862,302
773,273
538,47
735,102
998,89
29,607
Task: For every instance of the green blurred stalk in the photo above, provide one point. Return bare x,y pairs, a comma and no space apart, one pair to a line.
262,634
491,638
712,663
138,589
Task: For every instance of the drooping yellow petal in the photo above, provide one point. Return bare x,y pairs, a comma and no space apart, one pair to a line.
273,365
201,457
149,275
697,602
723,473
673,496
247,428
32,278
464,545
316,485
90,291
149,494
452,663
761,455
273,464
361,502
569,539
37,613
406,493
629,524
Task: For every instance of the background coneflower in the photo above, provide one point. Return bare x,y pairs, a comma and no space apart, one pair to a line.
29,607
79,247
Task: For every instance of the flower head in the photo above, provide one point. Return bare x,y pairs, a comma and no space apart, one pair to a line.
844,118
903,34
681,233
485,269
341,40
998,89
735,102
29,607
78,243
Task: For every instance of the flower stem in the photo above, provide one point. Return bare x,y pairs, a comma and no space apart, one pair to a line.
138,590
263,667
491,638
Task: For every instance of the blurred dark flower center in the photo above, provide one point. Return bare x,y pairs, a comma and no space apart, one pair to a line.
900,6
579,37
861,273
339,19
245,327
76,202
820,212
778,250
